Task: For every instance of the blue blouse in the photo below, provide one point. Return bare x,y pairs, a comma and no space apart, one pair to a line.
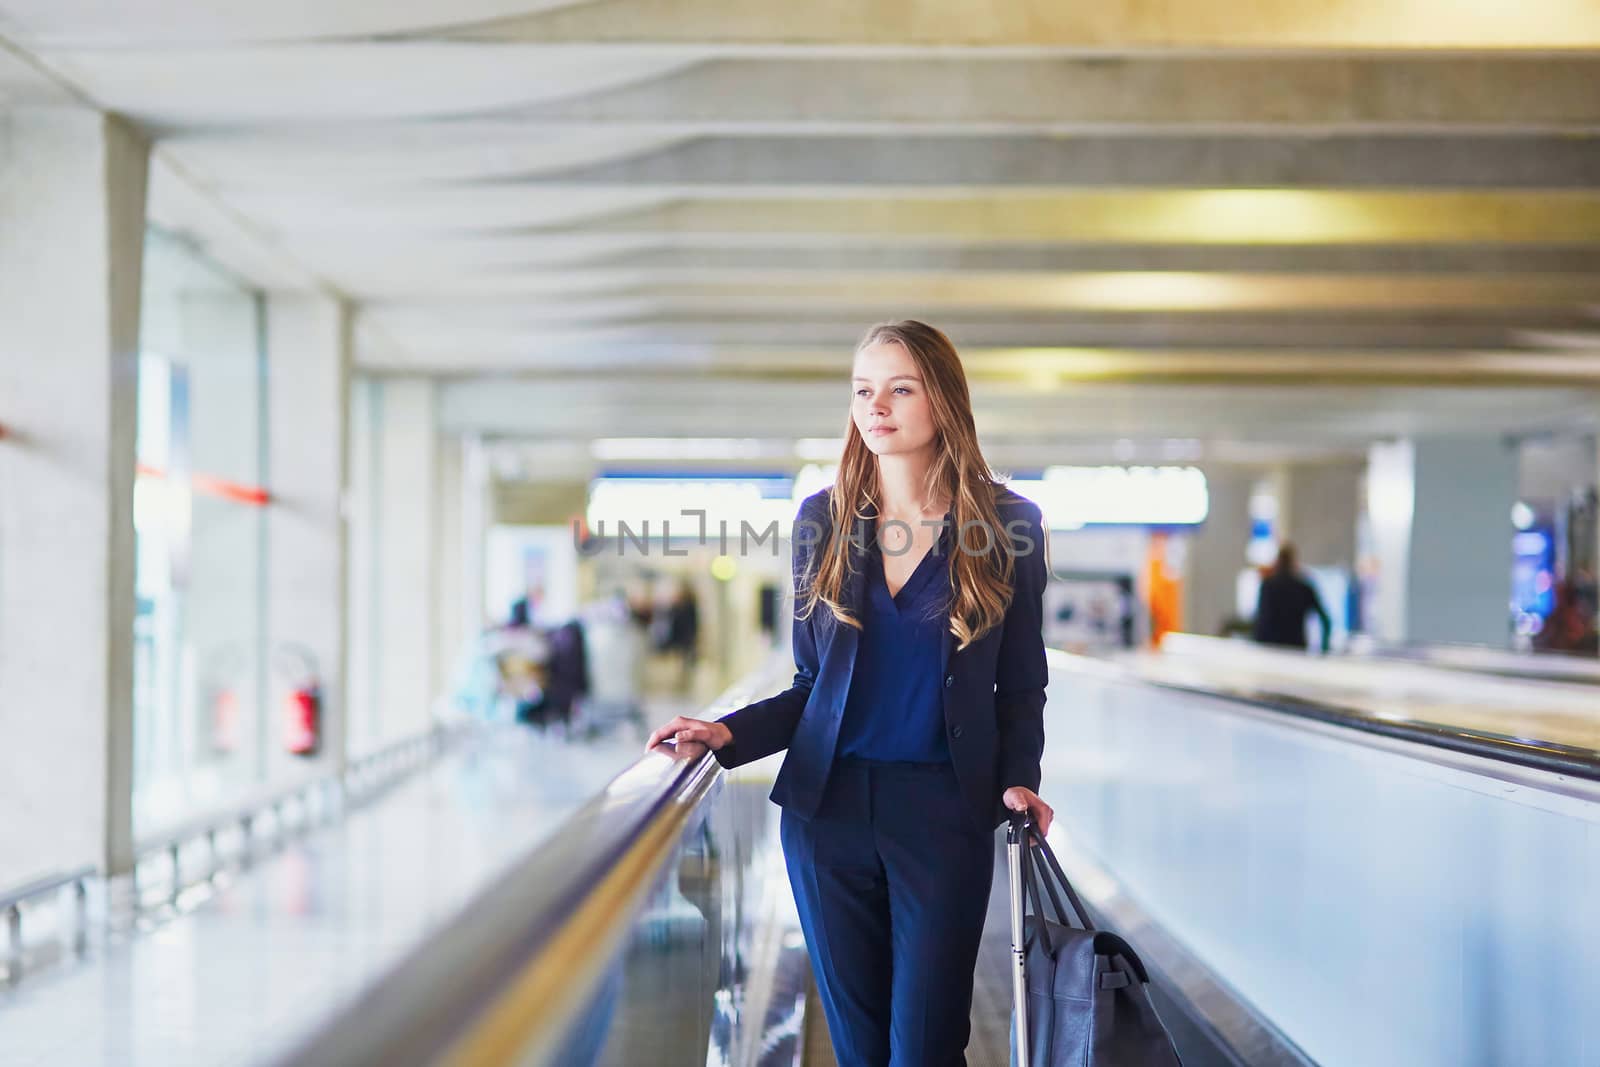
895,707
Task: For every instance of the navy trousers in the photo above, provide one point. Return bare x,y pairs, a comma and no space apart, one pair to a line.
892,879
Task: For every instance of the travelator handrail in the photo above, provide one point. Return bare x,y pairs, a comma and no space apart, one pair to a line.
507,978
1550,756
1568,668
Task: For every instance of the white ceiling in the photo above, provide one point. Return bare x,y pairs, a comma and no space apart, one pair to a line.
53,25
320,84
539,191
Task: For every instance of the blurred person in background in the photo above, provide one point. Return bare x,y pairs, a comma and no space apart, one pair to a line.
522,657
677,625
1570,626
567,674
916,715
1285,601
499,674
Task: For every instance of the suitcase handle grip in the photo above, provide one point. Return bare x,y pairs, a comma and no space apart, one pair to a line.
1022,830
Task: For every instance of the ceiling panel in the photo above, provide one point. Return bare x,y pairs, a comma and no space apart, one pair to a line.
1252,221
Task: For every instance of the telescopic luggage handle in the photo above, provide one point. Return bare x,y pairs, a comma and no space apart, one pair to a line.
1022,840
1017,864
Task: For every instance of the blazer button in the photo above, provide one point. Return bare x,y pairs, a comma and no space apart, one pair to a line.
949,680
955,731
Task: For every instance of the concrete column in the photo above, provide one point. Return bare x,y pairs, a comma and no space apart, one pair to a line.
406,537
1459,585
448,565
1216,551
362,589
1318,506
72,202
393,538
476,504
1440,514
308,404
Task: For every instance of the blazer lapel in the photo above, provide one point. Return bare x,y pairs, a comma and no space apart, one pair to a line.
843,640
950,547
855,591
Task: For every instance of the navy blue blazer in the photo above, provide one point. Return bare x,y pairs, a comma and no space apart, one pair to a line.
993,688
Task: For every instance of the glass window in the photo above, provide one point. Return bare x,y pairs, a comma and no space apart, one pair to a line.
199,670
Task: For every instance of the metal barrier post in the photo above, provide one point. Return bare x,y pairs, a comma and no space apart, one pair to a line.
14,941
80,902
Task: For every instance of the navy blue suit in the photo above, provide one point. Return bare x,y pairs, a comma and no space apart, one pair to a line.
994,688
866,841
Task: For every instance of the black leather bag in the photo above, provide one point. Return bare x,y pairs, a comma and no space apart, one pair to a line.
1079,994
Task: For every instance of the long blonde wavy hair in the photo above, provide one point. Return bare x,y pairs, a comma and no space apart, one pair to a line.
980,566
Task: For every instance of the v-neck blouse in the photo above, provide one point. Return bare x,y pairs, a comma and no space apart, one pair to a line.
895,706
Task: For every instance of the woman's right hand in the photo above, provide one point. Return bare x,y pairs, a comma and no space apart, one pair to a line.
713,735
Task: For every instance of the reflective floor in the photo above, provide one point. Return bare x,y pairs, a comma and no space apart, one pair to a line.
1566,714
273,951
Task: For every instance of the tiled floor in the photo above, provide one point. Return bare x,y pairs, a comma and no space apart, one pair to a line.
276,950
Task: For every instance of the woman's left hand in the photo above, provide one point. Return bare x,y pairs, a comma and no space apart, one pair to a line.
1018,798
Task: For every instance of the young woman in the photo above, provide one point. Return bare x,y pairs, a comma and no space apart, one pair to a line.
916,714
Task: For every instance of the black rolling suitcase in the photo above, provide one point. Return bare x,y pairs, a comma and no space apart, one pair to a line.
1079,995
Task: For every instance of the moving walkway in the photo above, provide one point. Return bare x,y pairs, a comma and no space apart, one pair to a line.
1316,867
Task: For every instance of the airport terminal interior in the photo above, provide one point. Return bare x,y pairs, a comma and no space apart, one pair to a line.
405,407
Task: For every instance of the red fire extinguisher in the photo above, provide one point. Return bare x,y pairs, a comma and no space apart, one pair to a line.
302,704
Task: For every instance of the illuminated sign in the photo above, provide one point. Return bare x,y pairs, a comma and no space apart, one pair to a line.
1071,498
1074,497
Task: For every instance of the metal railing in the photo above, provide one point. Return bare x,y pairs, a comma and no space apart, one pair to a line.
12,902
362,780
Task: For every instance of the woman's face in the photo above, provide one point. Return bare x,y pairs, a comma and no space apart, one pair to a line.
890,403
